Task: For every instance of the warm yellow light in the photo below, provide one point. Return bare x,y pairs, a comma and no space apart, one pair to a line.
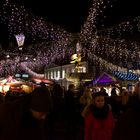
72,62
74,56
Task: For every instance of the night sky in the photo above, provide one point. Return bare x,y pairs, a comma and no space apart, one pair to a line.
71,14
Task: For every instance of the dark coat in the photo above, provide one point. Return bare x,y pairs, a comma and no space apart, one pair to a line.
70,102
128,125
16,122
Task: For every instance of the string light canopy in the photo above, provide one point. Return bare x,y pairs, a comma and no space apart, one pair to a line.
99,47
109,44
18,20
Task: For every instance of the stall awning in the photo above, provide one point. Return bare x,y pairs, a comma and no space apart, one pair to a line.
126,76
105,79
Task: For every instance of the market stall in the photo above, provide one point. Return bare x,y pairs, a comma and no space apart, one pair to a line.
107,82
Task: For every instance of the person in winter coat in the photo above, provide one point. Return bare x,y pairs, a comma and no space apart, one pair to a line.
99,122
128,125
71,112
26,117
86,98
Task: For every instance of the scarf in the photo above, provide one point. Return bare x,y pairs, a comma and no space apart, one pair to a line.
100,113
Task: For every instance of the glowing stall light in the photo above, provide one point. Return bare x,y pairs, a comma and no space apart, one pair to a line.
104,79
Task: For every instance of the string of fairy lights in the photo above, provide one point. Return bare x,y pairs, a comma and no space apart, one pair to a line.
105,48
41,57
109,45
18,20
90,26
118,51
120,30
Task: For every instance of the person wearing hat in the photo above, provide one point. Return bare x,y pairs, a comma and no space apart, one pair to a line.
41,103
26,118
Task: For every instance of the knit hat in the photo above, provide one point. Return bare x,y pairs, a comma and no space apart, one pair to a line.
41,100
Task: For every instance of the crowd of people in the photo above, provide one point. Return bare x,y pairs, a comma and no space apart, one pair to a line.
52,113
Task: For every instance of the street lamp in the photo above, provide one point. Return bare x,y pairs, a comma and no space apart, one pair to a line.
20,41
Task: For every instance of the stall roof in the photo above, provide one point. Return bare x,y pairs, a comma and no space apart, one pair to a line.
105,79
126,76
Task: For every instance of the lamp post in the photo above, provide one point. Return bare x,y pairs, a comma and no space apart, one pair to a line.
20,41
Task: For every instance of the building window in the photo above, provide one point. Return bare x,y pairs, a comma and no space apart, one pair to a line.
81,69
58,74
73,70
48,75
54,74
63,74
84,69
51,75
